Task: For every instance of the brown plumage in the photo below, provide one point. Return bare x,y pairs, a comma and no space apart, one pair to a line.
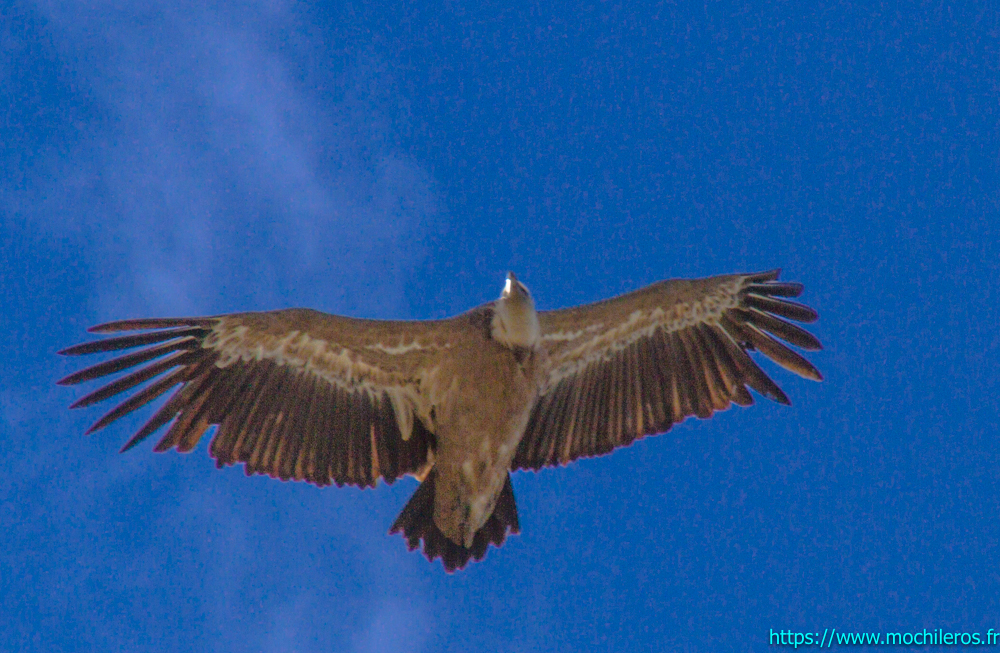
457,403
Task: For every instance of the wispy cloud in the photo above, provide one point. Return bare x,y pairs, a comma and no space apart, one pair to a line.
214,168
206,174
395,626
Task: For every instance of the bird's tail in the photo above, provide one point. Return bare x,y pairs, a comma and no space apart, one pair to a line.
416,522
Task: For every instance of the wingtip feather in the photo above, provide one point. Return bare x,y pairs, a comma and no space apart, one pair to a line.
130,444
96,426
768,275
152,323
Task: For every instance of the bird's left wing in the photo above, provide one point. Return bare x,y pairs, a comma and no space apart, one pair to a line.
296,394
639,363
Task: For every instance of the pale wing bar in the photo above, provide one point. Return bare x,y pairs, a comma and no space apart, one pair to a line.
662,378
279,420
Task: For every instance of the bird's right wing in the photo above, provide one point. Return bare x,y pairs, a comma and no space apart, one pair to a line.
639,363
296,394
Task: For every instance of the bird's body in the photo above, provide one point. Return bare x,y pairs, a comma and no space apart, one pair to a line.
476,446
458,403
488,362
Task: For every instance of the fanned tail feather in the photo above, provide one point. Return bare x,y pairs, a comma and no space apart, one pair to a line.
416,523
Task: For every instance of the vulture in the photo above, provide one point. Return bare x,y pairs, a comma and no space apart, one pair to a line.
457,403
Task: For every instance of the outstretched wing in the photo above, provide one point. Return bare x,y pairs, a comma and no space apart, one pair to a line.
637,364
296,394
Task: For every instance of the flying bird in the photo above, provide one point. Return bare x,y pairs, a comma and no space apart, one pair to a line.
458,403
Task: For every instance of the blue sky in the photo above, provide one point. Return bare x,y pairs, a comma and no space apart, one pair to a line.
394,161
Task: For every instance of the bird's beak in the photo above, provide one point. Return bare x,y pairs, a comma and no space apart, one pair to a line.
511,286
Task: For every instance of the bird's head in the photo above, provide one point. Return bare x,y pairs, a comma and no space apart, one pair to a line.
515,322
514,290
